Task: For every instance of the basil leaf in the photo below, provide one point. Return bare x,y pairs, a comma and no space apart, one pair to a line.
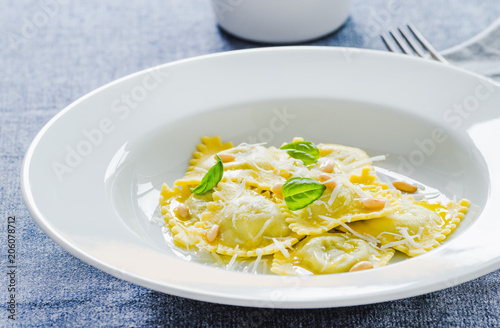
300,192
211,178
306,151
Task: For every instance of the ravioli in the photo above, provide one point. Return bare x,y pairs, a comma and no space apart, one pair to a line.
346,160
329,253
185,229
348,219
255,164
342,204
202,160
252,162
249,223
416,227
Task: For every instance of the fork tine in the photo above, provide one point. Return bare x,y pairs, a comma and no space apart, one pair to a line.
388,43
401,43
426,44
412,44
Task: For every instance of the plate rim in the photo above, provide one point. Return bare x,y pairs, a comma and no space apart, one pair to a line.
44,223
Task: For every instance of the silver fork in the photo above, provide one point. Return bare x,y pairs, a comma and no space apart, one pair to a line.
406,44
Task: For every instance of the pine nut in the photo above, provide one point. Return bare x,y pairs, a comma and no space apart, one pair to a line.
363,265
183,210
324,177
225,158
327,180
373,203
297,139
276,189
404,186
327,167
212,233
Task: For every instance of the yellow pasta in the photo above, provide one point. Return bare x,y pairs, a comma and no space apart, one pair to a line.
348,160
329,253
328,211
248,222
250,201
183,223
202,160
415,228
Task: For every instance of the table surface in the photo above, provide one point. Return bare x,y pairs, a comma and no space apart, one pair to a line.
55,51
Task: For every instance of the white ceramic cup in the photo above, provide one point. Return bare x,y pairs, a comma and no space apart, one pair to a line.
281,21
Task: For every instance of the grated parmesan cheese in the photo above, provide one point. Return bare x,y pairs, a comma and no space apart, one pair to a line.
335,193
364,161
410,239
392,244
257,260
403,238
264,227
234,220
419,232
357,189
282,248
241,188
233,258
319,202
371,240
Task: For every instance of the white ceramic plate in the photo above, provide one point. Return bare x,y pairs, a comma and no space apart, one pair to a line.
92,176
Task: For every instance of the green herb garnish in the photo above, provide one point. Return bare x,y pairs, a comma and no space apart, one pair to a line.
306,151
300,192
211,178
